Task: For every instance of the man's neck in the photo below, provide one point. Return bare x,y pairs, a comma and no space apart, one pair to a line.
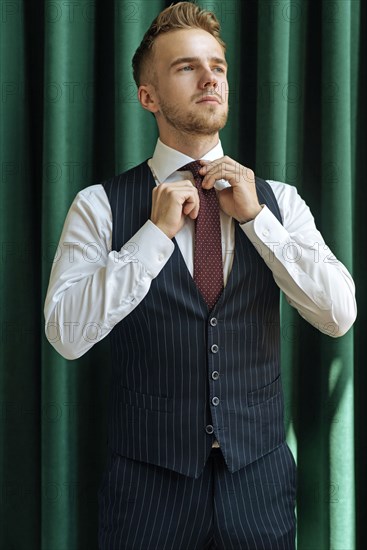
192,146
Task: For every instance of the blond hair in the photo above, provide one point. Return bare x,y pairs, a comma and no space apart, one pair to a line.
183,15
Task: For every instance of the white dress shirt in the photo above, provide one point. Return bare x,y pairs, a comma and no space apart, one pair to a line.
92,288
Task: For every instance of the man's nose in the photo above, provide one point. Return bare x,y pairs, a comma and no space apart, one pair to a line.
209,80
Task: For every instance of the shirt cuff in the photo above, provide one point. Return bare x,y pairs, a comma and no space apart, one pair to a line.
151,247
265,229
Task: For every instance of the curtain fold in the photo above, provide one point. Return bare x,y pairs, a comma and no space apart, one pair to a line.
69,76
339,58
20,369
132,19
69,118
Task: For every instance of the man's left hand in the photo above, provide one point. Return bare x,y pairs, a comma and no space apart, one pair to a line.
240,200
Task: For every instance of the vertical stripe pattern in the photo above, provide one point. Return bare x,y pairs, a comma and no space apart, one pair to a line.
181,376
145,507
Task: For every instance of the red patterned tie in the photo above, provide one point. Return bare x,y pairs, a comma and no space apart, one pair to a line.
208,264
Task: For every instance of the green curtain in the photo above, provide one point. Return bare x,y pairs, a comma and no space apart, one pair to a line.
69,118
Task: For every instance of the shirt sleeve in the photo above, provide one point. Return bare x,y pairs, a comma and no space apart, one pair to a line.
312,279
92,287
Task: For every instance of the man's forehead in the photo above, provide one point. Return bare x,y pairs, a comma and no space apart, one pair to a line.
187,43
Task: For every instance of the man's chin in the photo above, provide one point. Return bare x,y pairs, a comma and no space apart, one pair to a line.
207,131
207,125
210,127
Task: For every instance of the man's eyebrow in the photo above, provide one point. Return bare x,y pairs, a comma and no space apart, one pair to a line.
179,60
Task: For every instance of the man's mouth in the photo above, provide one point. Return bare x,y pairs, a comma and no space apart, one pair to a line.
209,99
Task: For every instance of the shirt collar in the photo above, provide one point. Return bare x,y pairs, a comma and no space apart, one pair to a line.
166,160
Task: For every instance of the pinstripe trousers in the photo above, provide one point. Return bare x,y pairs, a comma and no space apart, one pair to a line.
147,507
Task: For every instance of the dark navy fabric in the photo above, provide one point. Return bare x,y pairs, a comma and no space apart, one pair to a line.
163,356
145,507
183,376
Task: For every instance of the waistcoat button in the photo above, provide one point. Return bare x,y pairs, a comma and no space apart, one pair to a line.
215,400
215,375
214,348
209,429
213,322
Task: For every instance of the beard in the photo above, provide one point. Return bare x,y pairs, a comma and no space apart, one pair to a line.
206,121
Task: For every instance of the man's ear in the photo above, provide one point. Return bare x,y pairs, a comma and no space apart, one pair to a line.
148,98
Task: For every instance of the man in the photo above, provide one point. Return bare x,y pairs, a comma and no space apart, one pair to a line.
186,282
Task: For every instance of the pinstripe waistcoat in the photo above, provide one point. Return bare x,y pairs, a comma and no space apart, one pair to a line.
171,357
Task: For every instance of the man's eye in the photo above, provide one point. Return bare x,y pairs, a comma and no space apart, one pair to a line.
186,67
221,70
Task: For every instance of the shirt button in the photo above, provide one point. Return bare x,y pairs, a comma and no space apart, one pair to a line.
215,375
266,233
214,348
215,401
209,429
213,322
160,257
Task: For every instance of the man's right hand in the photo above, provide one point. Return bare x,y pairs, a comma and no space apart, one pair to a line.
171,203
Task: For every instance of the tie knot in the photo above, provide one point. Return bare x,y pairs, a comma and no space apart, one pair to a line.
193,167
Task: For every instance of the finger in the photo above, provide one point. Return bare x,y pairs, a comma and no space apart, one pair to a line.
218,172
229,167
233,172
210,166
216,165
193,214
174,186
191,207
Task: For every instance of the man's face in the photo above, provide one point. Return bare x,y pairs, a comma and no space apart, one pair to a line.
190,82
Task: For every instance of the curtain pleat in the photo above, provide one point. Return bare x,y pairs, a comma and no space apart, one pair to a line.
339,57
20,388
67,150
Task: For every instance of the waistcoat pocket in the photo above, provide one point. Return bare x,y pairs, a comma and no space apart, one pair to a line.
260,395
